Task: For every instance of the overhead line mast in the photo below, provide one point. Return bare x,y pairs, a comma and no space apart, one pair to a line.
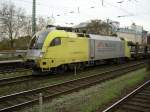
102,2
34,17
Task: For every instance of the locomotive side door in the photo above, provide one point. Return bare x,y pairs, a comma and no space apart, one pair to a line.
91,48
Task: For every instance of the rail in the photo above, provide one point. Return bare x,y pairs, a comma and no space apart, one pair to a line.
124,105
28,98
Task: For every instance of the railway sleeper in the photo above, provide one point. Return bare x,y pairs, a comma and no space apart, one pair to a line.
146,90
72,85
30,97
131,108
139,104
145,94
140,100
49,92
56,90
142,97
7,103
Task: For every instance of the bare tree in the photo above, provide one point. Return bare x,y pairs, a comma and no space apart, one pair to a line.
99,27
41,23
12,20
27,28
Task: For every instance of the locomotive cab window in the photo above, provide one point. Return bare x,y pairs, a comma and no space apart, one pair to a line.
38,40
55,42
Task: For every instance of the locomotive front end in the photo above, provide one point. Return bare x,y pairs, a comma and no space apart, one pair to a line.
36,50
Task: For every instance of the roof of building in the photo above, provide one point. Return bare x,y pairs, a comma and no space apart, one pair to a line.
128,30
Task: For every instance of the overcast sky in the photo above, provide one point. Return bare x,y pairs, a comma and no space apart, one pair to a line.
76,11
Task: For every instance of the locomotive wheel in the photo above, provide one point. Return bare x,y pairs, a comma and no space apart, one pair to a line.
78,66
62,69
71,67
82,66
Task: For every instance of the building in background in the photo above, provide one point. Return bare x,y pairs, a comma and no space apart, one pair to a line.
101,27
148,39
134,34
82,26
114,24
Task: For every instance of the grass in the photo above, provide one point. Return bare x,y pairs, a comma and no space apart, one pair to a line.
91,99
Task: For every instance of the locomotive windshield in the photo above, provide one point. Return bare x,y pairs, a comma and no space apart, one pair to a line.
38,40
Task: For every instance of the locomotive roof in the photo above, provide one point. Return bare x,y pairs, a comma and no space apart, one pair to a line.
101,37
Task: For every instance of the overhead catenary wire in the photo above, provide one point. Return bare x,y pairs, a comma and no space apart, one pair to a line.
79,9
40,4
103,1
122,9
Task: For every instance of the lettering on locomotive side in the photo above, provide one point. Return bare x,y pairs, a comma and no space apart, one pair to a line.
104,45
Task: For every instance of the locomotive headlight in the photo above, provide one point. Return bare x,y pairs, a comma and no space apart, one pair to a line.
41,54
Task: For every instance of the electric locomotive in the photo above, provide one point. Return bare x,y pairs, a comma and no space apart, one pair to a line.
55,49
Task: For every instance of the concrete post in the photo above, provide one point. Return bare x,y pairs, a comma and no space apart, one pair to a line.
75,70
40,102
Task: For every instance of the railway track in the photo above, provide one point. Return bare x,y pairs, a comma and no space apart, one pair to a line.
12,75
15,80
13,70
11,65
136,101
19,84
17,101
26,78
